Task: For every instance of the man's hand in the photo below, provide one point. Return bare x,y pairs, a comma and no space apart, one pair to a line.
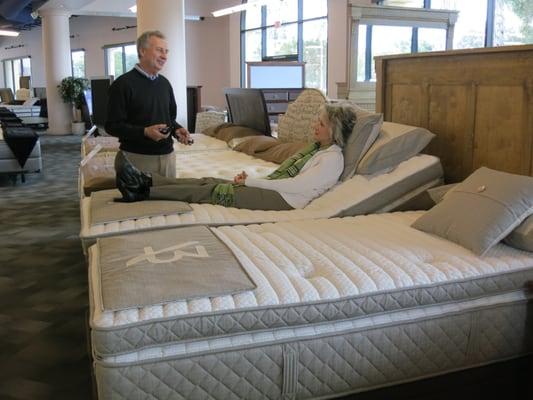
240,179
154,132
183,136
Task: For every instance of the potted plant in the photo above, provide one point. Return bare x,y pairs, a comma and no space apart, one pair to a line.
71,91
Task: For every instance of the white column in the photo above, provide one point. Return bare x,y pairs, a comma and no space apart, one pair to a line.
168,16
56,54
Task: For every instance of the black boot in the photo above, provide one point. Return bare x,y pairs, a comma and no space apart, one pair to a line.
133,184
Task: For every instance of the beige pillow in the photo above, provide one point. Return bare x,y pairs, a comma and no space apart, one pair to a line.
364,133
482,210
522,237
256,144
228,133
395,143
280,152
437,193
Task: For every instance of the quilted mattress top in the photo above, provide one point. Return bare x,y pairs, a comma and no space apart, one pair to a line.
319,271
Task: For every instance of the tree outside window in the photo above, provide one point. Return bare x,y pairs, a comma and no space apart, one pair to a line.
78,63
120,59
288,27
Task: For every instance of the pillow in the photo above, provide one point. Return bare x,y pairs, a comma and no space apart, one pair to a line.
395,143
255,144
364,133
280,152
227,133
437,193
482,210
522,237
233,143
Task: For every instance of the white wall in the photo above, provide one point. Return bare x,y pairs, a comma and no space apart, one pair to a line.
207,47
213,46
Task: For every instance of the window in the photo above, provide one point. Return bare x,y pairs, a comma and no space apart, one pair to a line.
289,27
393,30
483,22
513,22
14,69
78,63
120,58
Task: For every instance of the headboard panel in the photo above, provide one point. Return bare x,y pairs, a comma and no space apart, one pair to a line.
478,102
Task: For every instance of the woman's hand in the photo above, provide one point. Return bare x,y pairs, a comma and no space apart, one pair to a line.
240,179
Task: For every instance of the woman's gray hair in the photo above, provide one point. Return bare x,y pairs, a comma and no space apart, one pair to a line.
142,41
341,119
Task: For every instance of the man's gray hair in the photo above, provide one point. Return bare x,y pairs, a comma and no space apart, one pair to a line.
342,119
142,41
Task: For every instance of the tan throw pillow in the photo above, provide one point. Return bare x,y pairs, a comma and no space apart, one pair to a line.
482,210
364,133
522,237
437,193
395,143
228,133
256,144
280,152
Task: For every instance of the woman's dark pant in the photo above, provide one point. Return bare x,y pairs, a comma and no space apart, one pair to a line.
193,190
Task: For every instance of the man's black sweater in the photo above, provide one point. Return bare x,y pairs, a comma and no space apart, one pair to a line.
136,102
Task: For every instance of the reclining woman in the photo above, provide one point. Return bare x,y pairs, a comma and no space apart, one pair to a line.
298,180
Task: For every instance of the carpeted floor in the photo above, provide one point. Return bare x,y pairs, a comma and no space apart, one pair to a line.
43,293
43,281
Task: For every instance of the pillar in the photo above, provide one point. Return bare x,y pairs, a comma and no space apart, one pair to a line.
56,55
168,16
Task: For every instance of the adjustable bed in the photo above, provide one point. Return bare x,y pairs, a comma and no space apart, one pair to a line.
340,306
209,158
361,194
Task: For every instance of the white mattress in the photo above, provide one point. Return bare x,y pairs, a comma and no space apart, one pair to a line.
201,143
303,332
343,196
324,260
220,164
208,156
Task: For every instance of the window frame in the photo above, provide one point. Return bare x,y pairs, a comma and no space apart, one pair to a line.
123,54
15,84
414,18
263,28
72,62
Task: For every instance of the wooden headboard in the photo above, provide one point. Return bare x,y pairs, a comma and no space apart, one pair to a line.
478,102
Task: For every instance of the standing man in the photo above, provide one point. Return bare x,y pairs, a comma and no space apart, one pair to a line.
142,110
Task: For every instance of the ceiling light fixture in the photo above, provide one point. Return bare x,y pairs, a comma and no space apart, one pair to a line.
238,8
133,9
8,33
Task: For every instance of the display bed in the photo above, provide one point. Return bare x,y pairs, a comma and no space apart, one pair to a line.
361,194
206,158
341,305
201,143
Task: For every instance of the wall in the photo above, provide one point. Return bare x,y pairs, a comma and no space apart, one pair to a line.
207,47
213,46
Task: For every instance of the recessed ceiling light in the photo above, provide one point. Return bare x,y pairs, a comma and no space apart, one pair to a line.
238,8
8,33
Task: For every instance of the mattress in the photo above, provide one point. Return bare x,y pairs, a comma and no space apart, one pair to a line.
201,143
341,305
191,162
361,194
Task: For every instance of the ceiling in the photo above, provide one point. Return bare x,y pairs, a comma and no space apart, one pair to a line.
19,15
16,14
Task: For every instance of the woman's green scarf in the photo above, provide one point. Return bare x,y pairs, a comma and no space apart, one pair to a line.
292,165
224,193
